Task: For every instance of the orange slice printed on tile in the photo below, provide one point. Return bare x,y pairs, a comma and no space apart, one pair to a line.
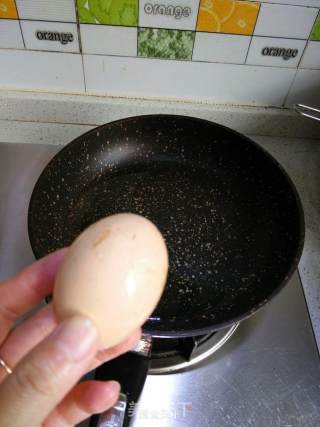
223,8
8,9
243,18
208,20
227,16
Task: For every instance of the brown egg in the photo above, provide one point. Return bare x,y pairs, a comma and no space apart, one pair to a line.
114,273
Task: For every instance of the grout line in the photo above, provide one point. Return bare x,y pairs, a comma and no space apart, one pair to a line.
310,34
24,43
280,37
80,45
305,47
252,34
84,74
289,89
290,4
193,61
19,20
78,29
153,58
39,50
138,26
254,28
10,19
107,25
245,61
195,30
45,20
169,29
15,3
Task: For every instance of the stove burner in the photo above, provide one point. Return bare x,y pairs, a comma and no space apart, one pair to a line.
173,354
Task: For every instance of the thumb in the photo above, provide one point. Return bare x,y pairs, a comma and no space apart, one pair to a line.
41,380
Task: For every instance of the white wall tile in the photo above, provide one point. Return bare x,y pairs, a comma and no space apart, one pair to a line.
63,30
220,48
315,3
305,89
108,40
311,56
10,34
50,71
277,20
177,15
47,10
198,81
261,45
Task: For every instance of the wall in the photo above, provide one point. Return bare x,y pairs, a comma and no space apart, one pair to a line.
221,51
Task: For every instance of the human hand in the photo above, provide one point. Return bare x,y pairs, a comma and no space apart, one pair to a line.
47,360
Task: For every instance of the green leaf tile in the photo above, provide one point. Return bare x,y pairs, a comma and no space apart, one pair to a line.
166,44
315,35
109,12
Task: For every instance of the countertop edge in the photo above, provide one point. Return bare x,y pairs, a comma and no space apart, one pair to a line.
18,108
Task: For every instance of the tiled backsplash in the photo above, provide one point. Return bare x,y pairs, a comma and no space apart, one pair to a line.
224,51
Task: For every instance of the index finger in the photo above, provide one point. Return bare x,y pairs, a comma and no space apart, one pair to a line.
22,292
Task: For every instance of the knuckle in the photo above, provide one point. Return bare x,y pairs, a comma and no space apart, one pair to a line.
41,376
57,418
8,313
30,381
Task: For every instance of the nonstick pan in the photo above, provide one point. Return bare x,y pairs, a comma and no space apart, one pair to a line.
230,215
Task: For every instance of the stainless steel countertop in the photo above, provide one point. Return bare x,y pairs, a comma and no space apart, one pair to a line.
267,375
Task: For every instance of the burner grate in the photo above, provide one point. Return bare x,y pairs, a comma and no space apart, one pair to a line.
173,354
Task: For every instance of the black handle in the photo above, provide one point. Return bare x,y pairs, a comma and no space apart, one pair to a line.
130,370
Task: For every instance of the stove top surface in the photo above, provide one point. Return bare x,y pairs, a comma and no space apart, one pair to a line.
266,375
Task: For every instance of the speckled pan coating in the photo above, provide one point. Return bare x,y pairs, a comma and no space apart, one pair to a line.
229,213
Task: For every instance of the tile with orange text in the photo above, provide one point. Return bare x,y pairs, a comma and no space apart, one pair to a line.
51,36
8,9
227,16
275,52
108,12
171,14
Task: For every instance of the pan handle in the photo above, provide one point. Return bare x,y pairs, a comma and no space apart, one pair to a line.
115,416
305,110
130,370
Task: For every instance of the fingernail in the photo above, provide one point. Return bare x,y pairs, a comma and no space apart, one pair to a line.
78,335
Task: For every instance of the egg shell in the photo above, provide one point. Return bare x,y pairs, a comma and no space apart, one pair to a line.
113,273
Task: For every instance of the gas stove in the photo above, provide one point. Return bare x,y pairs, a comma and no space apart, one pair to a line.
264,372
